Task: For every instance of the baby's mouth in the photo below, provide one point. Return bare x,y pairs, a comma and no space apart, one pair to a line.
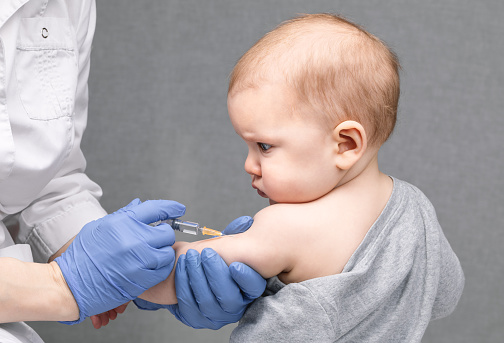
261,193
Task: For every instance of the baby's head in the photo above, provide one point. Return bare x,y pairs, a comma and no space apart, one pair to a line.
308,99
335,69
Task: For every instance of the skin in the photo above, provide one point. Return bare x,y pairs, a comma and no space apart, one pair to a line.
323,184
22,283
33,279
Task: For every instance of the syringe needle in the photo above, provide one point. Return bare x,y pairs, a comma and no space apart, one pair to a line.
210,232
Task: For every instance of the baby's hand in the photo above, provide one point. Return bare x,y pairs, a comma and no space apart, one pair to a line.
102,319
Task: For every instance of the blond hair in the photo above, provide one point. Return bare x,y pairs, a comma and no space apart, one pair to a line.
334,66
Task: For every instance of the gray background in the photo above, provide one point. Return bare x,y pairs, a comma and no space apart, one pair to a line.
158,128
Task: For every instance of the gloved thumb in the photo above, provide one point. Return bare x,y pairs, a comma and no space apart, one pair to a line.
239,225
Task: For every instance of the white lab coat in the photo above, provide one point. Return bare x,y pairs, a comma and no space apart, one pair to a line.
45,47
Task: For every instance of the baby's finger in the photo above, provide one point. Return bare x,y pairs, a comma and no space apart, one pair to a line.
112,314
104,318
122,308
96,322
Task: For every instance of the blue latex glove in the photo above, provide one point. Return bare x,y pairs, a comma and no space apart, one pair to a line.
116,258
210,294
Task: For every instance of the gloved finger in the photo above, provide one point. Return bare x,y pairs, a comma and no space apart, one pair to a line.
250,282
239,225
150,278
188,310
159,258
159,236
199,283
224,288
194,322
152,211
133,203
146,305
174,309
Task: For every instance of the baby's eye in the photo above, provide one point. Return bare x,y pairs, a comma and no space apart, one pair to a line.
264,146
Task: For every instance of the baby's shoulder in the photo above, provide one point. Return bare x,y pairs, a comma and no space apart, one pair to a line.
292,217
277,210
289,213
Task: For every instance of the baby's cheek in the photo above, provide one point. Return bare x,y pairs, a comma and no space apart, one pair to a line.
281,190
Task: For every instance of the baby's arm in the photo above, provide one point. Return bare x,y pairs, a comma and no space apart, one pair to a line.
265,247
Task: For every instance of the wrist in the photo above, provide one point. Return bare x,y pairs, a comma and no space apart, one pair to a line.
63,295
34,292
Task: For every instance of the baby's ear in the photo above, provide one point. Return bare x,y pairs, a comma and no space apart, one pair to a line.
350,143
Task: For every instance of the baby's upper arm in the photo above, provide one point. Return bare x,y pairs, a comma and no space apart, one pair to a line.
270,247
267,246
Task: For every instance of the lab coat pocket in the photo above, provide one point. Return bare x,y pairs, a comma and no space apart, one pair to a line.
46,67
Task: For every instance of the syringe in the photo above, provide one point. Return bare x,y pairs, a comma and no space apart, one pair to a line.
191,228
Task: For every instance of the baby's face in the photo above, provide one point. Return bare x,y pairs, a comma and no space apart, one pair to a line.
290,158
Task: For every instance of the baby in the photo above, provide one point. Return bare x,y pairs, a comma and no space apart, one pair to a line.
351,254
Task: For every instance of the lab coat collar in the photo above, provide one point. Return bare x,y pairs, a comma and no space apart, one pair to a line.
8,8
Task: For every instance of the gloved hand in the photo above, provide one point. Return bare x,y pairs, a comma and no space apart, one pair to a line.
116,258
239,225
210,294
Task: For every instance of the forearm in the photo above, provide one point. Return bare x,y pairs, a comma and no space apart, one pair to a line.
163,293
34,292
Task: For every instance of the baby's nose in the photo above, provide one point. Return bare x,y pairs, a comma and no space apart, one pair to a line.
252,166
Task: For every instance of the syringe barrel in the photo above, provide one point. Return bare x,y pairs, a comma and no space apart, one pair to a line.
191,228
183,226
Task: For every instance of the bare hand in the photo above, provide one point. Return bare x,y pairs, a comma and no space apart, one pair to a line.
103,319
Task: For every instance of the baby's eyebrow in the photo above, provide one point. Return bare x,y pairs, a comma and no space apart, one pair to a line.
254,137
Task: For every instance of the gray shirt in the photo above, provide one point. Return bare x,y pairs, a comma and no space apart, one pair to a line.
403,274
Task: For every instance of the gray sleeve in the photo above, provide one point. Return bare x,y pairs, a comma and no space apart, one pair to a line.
291,315
451,281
